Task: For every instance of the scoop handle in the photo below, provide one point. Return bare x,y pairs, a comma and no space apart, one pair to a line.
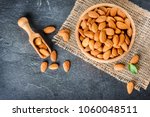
24,24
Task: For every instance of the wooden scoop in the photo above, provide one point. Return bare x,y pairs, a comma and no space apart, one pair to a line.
24,23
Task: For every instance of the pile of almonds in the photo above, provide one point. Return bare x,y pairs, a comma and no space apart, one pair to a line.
105,32
53,55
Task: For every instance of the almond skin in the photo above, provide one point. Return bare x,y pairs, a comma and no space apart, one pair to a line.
129,32
111,24
117,31
94,27
65,34
102,25
114,52
93,14
107,54
96,36
135,59
44,66
121,25
115,40
130,87
53,66
119,67
109,43
106,48
119,19
124,47
102,36
101,12
49,29
121,14
38,41
83,24
113,11
81,32
127,40
120,51
97,45
85,42
89,34
44,52
66,66
110,31
53,56
101,19
122,39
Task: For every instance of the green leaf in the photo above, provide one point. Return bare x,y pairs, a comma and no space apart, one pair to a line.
133,69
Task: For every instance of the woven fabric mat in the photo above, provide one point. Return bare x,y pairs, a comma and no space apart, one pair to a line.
141,46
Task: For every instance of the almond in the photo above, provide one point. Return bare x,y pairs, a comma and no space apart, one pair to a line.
100,49
101,19
107,54
109,43
108,11
85,42
53,66
114,52
129,32
117,31
42,46
97,45
119,67
83,24
44,52
102,26
93,14
101,12
102,36
120,51
81,32
65,34
91,44
87,49
95,52
130,87
53,56
109,36
127,22
96,36
103,9
49,29
94,27
124,47
66,66
115,40
113,11
89,34
106,48
65,37
109,18
127,40
100,56
119,19
121,25
38,41
110,31
121,14
44,66
135,59
111,24
81,38
92,21
85,17
122,39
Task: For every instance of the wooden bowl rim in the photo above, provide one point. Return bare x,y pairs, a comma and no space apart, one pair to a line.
89,55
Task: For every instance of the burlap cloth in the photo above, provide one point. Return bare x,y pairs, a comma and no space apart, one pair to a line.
141,46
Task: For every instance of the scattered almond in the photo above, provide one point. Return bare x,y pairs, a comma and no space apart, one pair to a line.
49,29
53,56
119,67
65,34
66,66
44,52
130,87
53,66
135,59
44,66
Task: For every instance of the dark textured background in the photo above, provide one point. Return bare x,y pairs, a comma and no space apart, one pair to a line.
20,76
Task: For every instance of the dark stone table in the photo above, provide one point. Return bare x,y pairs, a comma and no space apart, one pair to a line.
20,76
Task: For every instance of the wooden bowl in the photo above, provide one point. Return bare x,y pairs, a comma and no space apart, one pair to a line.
88,54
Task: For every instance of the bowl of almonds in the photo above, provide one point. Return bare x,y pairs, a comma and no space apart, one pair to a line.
105,33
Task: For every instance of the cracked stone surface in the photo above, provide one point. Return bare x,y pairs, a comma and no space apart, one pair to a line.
20,76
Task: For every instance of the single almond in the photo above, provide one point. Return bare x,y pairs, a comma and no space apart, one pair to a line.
38,41
109,36
44,66
81,38
110,31
49,29
42,46
114,52
65,34
81,32
129,32
91,44
101,12
100,56
115,40
107,54
94,27
119,67
85,17
53,56
97,45
66,66
117,31
95,52
83,24
85,42
44,52
109,18
124,47
102,36
122,39
89,34
106,48
108,11
101,19
93,14
121,14
127,40
96,36
113,11
128,22
102,26
119,19
92,21
130,87
120,51
103,9
100,49
109,43
87,49
53,66
135,59
121,25
111,24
